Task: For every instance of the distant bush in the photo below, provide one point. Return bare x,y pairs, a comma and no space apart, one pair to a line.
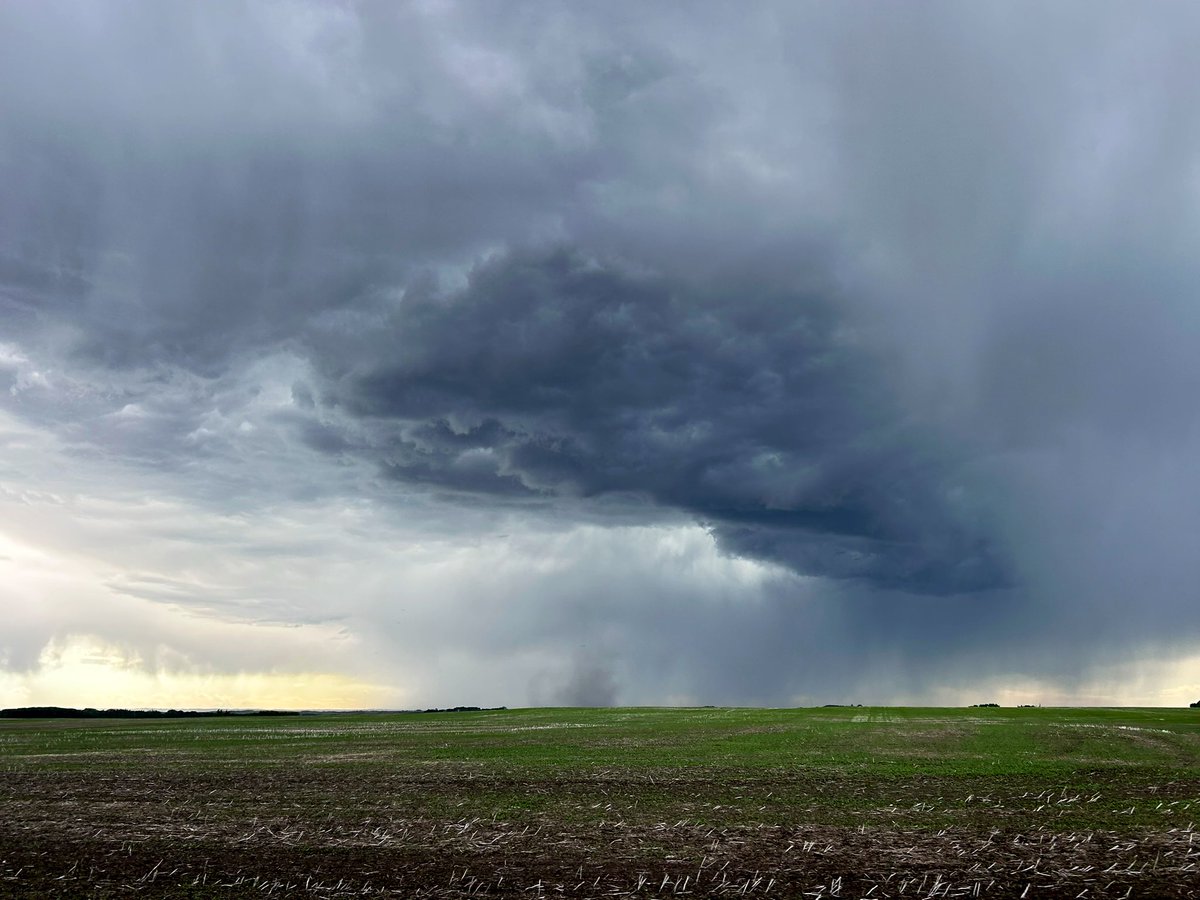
981,705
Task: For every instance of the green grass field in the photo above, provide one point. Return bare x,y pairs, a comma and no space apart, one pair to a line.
613,795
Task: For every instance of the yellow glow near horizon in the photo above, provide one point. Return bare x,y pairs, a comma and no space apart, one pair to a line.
1161,682
83,671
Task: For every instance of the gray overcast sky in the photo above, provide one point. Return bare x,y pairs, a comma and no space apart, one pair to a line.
437,353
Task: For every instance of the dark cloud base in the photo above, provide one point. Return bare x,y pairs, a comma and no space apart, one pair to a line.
748,407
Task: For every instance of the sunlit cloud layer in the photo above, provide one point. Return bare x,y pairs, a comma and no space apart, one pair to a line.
460,353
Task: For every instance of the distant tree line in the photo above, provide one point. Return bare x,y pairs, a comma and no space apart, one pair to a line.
463,709
1195,705
66,712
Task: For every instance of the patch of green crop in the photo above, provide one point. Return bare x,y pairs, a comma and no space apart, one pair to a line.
1112,768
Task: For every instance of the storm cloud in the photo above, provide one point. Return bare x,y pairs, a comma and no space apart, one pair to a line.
748,405
668,353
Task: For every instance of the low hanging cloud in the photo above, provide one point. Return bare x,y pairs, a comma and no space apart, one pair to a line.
753,409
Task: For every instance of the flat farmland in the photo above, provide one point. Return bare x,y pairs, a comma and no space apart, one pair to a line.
831,802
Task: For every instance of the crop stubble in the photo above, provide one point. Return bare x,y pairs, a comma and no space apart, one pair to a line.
404,814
